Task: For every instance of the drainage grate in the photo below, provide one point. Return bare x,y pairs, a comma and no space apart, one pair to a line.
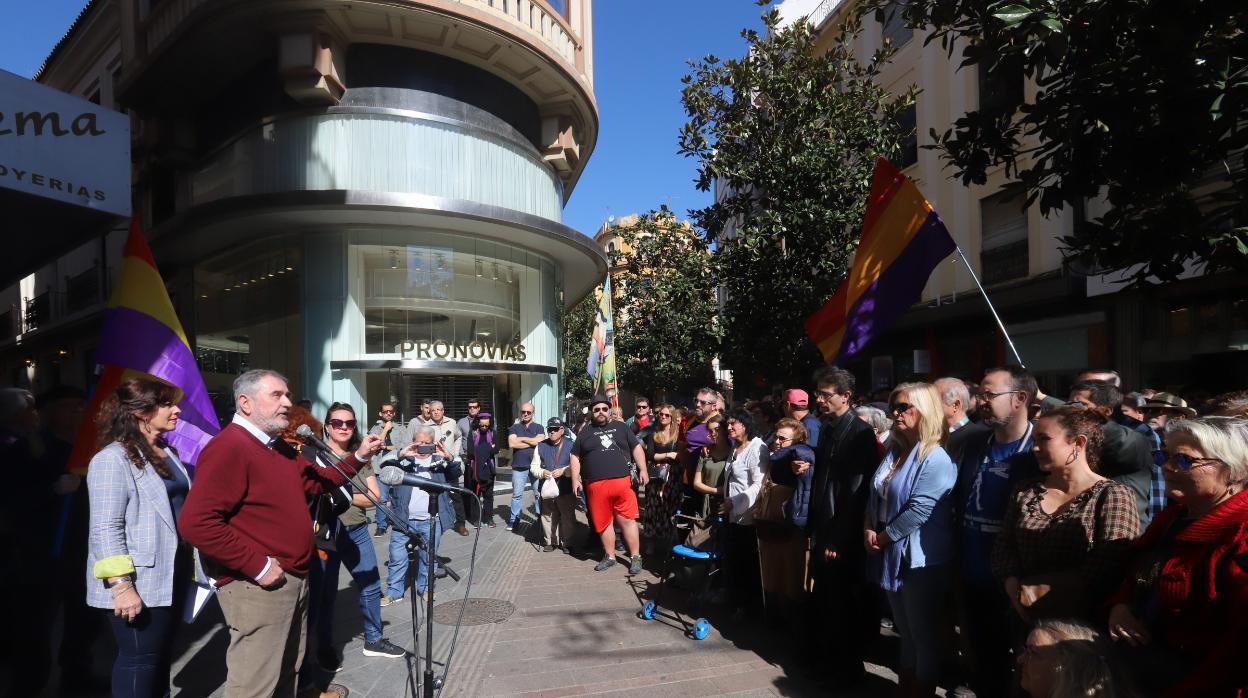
479,612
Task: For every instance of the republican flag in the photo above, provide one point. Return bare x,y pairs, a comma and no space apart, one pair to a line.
601,364
142,338
902,241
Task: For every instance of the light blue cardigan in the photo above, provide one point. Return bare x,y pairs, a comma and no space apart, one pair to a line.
922,528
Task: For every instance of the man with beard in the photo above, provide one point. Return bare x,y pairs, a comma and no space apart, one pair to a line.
394,437
991,465
600,459
243,516
845,458
698,436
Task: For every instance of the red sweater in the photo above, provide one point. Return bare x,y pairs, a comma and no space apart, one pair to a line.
249,503
1203,589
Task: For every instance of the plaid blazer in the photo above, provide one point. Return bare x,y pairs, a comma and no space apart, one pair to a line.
130,516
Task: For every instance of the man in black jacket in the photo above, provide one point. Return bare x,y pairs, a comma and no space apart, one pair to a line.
846,617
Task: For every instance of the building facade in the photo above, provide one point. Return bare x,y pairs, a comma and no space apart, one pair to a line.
1188,337
367,198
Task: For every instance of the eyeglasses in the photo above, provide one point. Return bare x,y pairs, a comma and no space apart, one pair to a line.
783,439
900,408
342,423
1186,462
705,402
665,414
600,409
825,394
987,395
526,411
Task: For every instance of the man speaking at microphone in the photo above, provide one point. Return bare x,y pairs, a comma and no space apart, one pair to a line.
244,516
435,462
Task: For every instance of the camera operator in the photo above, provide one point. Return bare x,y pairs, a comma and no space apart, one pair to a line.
436,462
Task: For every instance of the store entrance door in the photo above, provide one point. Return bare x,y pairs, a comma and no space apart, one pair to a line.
454,391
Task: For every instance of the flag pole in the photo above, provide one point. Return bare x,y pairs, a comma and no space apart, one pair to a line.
990,307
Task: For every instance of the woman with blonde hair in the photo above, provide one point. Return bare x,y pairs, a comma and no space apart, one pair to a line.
662,444
909,532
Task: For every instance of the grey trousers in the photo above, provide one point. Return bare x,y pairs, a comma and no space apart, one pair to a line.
559,519
268,630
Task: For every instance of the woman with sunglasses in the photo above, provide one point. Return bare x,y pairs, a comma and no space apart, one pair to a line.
662,444
1061,549
909,533
352,547
1181,614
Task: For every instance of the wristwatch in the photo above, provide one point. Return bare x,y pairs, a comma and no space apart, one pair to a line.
120,580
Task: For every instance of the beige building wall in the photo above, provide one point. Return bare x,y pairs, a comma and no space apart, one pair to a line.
946,93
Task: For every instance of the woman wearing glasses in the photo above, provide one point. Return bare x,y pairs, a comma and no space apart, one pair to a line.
662,443
1182,611
1065,536
352,547
909,533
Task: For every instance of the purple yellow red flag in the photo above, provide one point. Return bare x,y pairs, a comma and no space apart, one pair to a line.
142,337
902,241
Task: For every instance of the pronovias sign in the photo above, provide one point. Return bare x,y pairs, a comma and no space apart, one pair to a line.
62,147
440,349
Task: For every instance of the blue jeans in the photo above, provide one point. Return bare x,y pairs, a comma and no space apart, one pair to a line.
396,566
387,496
520,478
144,652
919,616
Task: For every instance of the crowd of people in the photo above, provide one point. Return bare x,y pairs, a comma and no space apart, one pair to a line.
1017,542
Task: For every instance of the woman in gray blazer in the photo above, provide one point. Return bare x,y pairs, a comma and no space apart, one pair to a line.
136,564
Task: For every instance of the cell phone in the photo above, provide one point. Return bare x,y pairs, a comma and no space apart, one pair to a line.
426,449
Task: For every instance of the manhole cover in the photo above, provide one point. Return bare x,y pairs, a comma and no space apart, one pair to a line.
479,611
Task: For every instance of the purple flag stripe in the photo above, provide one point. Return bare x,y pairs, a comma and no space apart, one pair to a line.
138,341
188,440
898,287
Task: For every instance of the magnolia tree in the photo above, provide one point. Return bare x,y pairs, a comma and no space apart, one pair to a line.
1140,104
787,135
666,327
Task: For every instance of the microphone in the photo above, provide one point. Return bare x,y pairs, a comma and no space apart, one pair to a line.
394,476
305,432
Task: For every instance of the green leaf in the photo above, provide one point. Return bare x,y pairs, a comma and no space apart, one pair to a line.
1013,14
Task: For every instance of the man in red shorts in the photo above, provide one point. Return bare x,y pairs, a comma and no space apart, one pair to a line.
600,459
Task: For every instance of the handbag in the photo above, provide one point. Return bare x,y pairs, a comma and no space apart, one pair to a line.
771,500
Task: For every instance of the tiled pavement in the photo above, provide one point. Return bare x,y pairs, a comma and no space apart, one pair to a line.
574,632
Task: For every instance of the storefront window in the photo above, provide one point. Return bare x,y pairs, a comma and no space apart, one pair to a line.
450,297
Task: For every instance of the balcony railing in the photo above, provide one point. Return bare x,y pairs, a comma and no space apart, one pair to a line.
38,310
535,19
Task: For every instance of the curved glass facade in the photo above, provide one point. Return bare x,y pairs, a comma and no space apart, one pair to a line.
373,149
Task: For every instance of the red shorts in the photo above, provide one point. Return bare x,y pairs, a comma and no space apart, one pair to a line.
607,497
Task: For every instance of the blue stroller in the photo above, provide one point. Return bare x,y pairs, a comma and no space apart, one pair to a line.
693,566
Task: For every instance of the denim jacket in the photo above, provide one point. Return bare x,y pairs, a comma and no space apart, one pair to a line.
921,525
403,494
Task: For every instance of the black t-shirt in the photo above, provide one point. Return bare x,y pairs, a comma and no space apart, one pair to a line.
605,451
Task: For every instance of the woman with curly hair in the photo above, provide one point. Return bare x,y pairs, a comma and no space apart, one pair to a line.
1065,538
137,564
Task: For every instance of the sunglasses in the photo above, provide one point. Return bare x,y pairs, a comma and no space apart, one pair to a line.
783,439
526,411
342,423
1186,462
664,414
705,402
601,409
900,408
387,411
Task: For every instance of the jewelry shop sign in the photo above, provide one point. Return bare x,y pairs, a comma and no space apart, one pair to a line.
62,147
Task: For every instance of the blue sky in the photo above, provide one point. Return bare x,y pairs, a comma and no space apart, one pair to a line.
640,49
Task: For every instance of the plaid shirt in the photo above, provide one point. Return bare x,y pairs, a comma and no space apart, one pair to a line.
1088,536
1157,488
